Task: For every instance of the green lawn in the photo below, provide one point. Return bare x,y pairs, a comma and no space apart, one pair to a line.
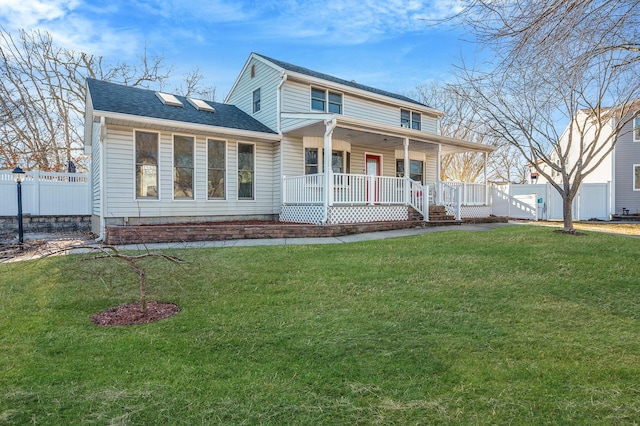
519,325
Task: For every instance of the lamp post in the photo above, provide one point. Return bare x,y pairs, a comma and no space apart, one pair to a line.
18,176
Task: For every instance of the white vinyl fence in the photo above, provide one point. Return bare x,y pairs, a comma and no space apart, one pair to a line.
542,202
46,194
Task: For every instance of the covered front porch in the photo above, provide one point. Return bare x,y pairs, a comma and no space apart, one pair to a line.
382,192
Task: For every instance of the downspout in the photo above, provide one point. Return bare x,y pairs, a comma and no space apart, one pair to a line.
407,172
486,184
278,102
103,165
330,125
438,199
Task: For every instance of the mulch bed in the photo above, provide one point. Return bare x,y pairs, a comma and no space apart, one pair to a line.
131,313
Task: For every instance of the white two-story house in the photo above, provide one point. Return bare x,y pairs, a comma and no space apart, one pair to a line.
287,144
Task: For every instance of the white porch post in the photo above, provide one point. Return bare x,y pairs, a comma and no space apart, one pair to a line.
407,173
486,184
328,170
438,188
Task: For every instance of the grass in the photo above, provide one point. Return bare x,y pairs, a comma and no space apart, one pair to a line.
519,325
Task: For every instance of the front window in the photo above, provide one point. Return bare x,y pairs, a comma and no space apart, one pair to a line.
216,169
246,171
636,129
416,170
310,161
410,119
337,161
636,177
183,167
318,99
256,100
335,103
146,165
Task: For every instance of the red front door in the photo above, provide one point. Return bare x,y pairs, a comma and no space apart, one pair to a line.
373,169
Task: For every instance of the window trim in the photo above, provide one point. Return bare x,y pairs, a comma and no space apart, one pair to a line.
412,115
636,126
253,183
173,167
226,168
326,100
135,167
256,103
636,185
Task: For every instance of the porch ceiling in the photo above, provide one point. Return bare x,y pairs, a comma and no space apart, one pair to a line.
388,137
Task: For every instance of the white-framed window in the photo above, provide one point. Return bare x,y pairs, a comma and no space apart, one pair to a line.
410,119
636,129
216,169
246,171
636,177
416,169
146,145
311,161
183,167
256,100
326,101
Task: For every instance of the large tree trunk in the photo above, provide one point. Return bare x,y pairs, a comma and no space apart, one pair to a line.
567,214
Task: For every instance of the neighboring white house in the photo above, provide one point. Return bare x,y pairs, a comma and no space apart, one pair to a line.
287,143
620,168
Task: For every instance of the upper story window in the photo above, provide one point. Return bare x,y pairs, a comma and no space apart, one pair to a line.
410,119
256,100
636,129
326,101
146,165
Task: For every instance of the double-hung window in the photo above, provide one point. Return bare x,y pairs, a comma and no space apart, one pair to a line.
310,161
216,169
636,129
246,171
326,101
256,100
636,177
183,167
410,119
146,165
416,170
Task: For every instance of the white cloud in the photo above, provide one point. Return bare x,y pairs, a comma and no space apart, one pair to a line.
29,13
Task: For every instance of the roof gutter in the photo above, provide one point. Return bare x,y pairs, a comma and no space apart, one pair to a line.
190,126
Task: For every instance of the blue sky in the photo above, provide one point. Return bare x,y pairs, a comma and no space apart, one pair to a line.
388,44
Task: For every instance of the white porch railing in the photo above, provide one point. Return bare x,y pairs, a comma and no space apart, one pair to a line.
307,189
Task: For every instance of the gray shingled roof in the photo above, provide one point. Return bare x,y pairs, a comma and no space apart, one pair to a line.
301,70
111,97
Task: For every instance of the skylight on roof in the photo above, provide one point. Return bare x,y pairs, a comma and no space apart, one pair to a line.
201,105
168,99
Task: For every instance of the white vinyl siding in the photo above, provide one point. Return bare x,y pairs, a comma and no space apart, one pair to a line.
266,79
120,186
296,97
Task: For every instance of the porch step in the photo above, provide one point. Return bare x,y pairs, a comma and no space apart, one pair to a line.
436,214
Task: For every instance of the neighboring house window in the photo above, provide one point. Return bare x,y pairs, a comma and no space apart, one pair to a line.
636,129
410,119
256,100
246,171
253,71
216,169
183,167
319,101
636,177
416,170
310,161
146,165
